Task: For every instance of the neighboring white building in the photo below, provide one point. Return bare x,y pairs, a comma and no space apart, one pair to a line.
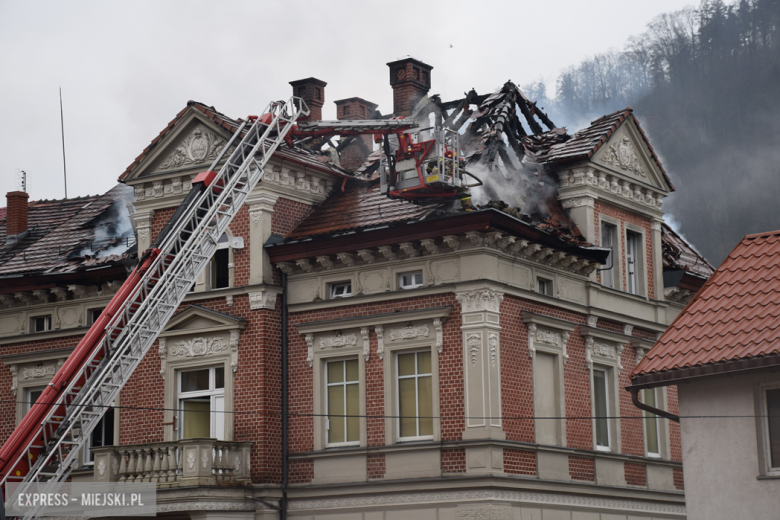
723,353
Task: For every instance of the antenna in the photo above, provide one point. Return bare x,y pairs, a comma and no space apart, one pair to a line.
23,180
64,169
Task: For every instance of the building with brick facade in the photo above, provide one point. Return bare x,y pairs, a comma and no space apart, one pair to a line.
442,363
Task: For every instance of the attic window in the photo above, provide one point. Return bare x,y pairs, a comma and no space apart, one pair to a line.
411,280
341,290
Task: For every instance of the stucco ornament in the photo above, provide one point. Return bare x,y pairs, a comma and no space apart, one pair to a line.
102,467
197,347
366,344
200,145
493,346
624,155
310,349
437,324
409,332
14,378
474,345
114,466
380,341
204,460
163,352
37,372
191,460
338,340
237,464
476,301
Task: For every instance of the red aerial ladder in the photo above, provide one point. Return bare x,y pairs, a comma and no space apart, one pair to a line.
44,446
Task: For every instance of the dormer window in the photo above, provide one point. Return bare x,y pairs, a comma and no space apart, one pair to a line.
340,290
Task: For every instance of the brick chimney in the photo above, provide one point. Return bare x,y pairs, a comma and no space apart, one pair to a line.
411,80
312,90
354,155
16,216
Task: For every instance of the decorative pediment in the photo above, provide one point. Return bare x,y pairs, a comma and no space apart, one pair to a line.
196,319
200,146
604,346
627,153
548,334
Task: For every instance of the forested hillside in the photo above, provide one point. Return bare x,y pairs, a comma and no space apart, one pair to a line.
705,84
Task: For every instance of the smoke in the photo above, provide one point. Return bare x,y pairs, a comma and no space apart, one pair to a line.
527,186
114,232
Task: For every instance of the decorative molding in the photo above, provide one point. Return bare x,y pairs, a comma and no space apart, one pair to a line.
338,340
408,332
640,353
628,329
655,225
201,145
589,341
380,341
602,349
493,348
592,321
623,155
229,300
304,264
475,237
197,347
387,252
366,345
409,249
506,242
325,262
14,378
430,245
473,346
286,268
39,372
481,300
256,216
190,505
578,202
452,241
309,349
262,300
437,325
366,255
678,295
143,234
163,352
348,259
610,184
26,298
531,336
234,350
527,498
492,237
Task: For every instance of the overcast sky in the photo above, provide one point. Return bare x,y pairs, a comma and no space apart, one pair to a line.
127,68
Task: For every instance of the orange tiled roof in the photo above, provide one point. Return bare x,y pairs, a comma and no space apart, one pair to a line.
735,316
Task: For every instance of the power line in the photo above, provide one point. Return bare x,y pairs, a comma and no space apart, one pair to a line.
371,416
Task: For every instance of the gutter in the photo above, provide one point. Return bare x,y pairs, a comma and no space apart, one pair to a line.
285,405
642,406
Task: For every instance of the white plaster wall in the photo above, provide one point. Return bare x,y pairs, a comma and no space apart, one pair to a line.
721,455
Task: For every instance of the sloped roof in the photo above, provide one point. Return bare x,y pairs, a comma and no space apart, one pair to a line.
297,155
678,254
58,230
734,317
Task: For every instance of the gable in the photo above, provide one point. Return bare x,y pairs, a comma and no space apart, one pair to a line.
189,145
626,152
199,319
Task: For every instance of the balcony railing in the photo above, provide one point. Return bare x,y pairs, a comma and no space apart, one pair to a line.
187,462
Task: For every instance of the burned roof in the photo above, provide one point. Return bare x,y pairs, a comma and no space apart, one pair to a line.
678,255
299,155
733,318
69,235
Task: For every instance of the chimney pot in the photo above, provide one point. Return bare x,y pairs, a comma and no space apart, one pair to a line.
411,80
16,216
312,91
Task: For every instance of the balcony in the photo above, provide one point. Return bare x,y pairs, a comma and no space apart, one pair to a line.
186,462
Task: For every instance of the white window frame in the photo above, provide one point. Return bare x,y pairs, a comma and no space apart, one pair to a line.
28,404
332,289
549,287
212,393
658,394
341,360
413,285
611,273
638,279
765,458
416,376
47,321
609,406
88,458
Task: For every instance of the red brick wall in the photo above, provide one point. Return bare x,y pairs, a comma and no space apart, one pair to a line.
287,214
636,474
375,466
582,468
519,462
17,212
453,461
7,399
675,441
630,218
301,471
679,481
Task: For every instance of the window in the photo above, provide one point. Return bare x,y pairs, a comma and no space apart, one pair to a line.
202,403
632,261
102,435
94,314
547,399
772,397
32,396
608,239
601,408
415,398
220,270
341,290
544,286
40,323
651,397
343,403
410,280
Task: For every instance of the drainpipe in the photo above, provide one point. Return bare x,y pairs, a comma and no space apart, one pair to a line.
642,406
285,404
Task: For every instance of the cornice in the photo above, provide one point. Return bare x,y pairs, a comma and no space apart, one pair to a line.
374,319
42,336
607,335
32,357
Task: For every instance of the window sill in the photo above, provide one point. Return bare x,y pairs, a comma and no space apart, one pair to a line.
775,476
